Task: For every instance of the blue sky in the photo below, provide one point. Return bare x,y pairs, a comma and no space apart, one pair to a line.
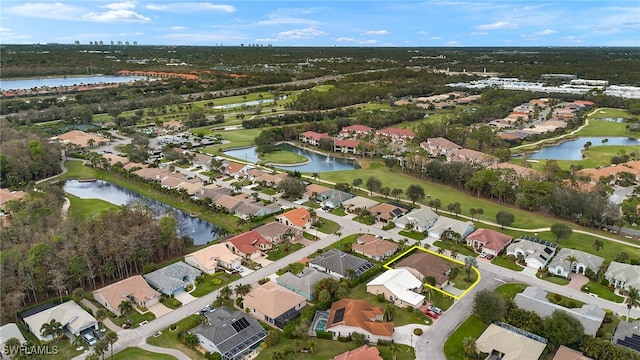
324,23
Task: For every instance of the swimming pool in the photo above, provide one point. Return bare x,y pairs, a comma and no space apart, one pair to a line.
321,325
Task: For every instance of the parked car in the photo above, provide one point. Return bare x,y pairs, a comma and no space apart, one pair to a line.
489,257
434,309
431,314
483,255
89,339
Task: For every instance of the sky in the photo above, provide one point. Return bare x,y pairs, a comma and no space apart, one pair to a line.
324,23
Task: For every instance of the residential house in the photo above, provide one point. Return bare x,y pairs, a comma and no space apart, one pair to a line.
347,146
247,210
74,319
299,218
506,342
133,288
302,283
519,170
535,299
374,247
313,190
172,279
8,195
234,169
278,233
353,315
562,266
312,137
81,140
399,286
488,241
355,130
399,135
202,160
419,220
622,275
274,304
422,264
10,331
333,198
339,264
565,353
474,157
355,204
364,352
233,334
114,159
211,191
253,174
213,258
270,180
249,244
440,147
443,223
536,252
229,202
627,334
386,212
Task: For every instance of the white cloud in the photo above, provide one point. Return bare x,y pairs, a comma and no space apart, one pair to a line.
546,32
188,7
116,16
130,5
275,19
7,34
476,33
301,33
345,39
178,28
200,38
46,11
422,33
266,40
376,32
435,38
453,43
500,25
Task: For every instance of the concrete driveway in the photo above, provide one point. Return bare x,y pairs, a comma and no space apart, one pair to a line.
404,334
184,297
159,310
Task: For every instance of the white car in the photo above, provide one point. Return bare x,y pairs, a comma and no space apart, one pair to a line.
239,268
90,339
483,255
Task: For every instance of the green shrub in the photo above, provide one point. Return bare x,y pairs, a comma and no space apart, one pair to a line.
380,298
417,331
324,335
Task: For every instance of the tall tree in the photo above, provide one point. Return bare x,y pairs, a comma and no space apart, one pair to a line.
53,328
469,263
111,338
632,300
597,245
561,231
504,218
415,193
373,184
489,306
561,328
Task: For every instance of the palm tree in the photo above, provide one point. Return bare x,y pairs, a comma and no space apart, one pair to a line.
632,300
454,254
440,250
53,328
101,314
470,262
350,274
389,311
92,356
225,292
125,307
111,337
597,245
242,289
100,348
312,345
11,346
571,259
469,346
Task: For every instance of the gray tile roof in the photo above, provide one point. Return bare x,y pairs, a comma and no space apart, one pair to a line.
303,283
339,262
172,277
592,262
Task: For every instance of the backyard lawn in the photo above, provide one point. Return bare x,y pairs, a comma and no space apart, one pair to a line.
169,339
140,354
458,248
472,327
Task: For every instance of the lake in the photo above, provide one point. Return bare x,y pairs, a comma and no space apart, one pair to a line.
199,230
571,150
318,162
23,84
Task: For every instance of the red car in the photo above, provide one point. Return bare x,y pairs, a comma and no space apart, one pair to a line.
431,314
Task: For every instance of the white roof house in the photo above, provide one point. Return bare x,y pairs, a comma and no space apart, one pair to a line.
623,275
535,299
513,343
399,287
358,202
421,219
443,223
72,317
537,253
561,266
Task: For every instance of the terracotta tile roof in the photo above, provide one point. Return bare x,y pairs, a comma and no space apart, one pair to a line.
133,286
249,242
314,135
315,188
427,265
372,246
113,159
272,299
364,352
8,195
233,168
361,314
386,211
347,143
300,216
520,170
227,202
491,239
209,256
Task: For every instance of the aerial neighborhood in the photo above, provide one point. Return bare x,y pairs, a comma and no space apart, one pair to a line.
391,212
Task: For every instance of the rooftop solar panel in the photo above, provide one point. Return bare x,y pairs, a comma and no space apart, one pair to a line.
240,324
339,316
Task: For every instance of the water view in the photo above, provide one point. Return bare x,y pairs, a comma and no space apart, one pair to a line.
318,162
571,150
23,84
199,230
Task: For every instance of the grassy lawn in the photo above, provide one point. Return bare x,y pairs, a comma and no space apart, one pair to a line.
311,204
282,157
169,339
439,299
209,283
309,236
555,279
412,235
135,317
268,191
140,354
327,226
85,208
472,327
328,349
460,282
236,138
608,327
283,250
602,291
564,301
459,248
506,262
510,291
65,349
338,211
294,268
171,303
